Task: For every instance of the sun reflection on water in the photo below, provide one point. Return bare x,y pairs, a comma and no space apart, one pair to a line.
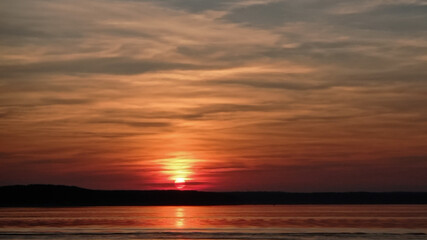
180,217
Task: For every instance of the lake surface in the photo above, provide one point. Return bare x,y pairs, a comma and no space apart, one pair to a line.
293,222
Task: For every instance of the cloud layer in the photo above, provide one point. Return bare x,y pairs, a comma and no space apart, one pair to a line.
286,95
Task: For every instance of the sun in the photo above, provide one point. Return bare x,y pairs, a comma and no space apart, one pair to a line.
180,183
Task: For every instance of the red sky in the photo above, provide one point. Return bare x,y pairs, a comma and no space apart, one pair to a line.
229,95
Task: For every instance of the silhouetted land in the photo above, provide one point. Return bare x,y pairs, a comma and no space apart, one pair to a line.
54,195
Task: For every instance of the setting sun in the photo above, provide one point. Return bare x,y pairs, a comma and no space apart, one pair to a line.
179,169
180,183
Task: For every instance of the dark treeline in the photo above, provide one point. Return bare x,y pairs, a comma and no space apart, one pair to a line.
54,195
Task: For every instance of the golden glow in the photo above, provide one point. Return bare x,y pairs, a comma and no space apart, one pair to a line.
180,183
178,168
180,180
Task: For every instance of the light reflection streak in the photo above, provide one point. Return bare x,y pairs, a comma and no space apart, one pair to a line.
180,217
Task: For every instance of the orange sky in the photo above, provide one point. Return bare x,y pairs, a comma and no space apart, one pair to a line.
228,95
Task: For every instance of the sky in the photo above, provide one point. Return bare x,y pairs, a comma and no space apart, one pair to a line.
226,95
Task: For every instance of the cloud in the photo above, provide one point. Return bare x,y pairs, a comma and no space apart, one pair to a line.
65,101
380,15
120,66
272,14
196,5
133,123
289,85
405,17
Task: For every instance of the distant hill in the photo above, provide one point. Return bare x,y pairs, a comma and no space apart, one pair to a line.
57,195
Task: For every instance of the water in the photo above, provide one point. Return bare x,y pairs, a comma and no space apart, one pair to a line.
293,222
